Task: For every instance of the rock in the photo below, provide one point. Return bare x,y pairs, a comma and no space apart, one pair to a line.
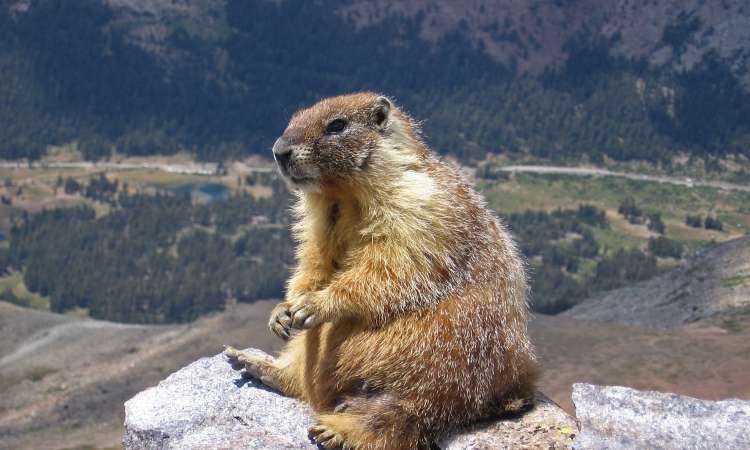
210,405
616,417
547,426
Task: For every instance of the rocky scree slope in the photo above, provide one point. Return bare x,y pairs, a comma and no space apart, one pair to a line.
715,283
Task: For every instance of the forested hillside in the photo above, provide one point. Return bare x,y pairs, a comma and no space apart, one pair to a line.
161,258
220,78
154,258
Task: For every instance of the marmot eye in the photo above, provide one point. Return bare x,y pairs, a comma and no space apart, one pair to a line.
336,126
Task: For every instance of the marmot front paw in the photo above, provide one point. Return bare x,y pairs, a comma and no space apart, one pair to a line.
303,312
280,322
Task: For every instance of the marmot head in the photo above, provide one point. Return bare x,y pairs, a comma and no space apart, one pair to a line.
339,139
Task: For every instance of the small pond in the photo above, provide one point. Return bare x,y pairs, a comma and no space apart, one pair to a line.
206,192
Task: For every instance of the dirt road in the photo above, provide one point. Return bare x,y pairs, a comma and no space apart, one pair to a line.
585,171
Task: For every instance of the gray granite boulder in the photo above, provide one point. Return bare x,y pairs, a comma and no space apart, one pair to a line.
208,405
614,417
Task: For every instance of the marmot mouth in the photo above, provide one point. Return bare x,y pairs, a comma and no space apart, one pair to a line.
286,172
301,180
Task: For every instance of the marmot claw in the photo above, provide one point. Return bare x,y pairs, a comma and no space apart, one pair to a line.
281,321
302,314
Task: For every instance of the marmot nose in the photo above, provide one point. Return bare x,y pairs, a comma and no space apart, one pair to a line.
282,152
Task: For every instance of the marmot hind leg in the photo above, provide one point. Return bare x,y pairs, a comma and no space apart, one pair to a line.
370,423
266,370
521,397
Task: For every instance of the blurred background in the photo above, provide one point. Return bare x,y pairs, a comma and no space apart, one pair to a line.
142,223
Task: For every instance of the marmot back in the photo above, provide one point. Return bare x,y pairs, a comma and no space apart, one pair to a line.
411,293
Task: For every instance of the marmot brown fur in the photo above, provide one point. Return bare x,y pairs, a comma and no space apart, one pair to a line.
411,294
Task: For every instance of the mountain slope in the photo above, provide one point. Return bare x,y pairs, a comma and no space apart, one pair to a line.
714,283
672,34
64,379
629,79
669,34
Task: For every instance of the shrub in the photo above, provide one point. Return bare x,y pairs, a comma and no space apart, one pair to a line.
665,247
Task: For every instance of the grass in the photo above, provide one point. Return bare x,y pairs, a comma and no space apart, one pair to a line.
34,374
612,239
41,175
14,282
548,192
81,313
735,281
38,373
157,178
731,325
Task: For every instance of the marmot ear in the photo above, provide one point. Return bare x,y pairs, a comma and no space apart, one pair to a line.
381,111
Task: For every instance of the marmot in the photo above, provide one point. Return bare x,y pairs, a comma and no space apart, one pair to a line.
411,293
